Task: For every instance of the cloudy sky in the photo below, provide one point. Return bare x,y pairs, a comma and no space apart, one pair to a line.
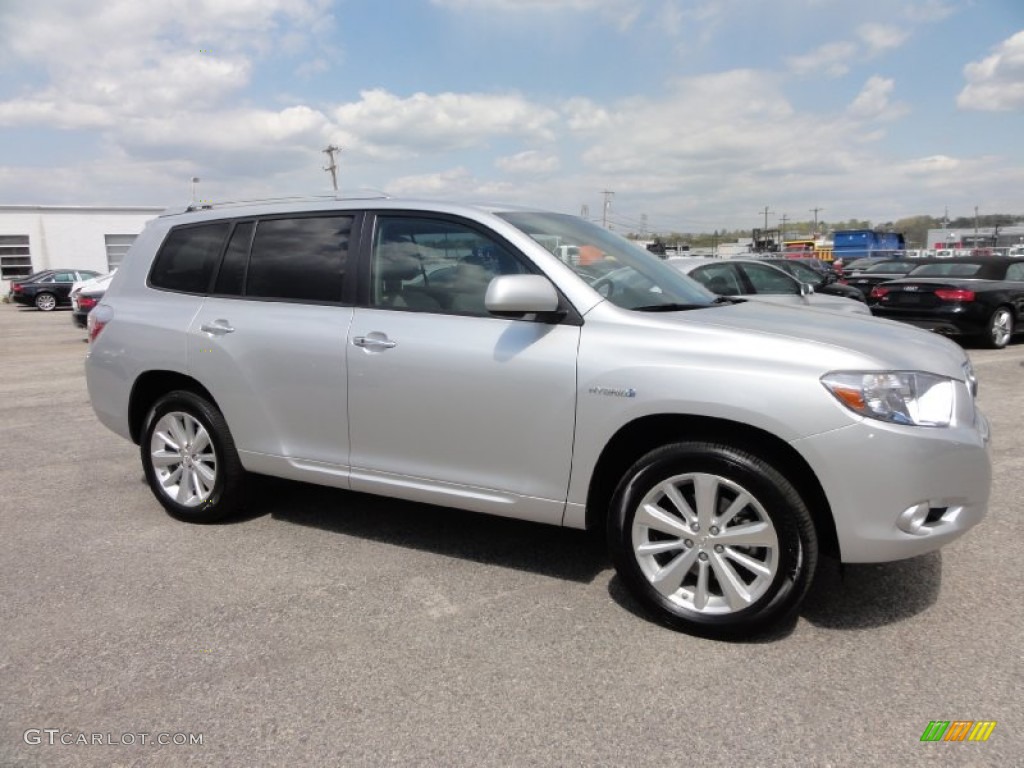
697,114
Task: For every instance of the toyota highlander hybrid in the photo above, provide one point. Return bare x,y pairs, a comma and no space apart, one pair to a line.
535,365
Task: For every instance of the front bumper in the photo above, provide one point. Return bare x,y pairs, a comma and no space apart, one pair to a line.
915,489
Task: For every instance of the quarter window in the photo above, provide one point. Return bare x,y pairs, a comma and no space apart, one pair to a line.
188,257
300,259
431,265
1015,271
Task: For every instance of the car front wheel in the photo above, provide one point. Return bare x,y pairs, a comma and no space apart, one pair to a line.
190,460
711,539
45,302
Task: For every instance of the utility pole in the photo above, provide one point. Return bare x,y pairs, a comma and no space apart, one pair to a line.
607,204
782,232
195,180
332,168
643,225
815,212
975,226
766,212
585,212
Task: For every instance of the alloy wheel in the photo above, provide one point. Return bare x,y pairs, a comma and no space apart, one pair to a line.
705,543
1001,328
183,459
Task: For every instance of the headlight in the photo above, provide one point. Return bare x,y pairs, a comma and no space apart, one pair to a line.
899,397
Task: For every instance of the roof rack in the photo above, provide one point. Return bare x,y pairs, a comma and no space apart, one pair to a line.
368,194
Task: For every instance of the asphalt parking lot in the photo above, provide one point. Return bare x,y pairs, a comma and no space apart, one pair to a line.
329,628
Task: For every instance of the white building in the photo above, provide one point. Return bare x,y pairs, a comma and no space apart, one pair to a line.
37,237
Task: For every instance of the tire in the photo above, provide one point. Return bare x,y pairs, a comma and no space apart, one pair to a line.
1000,328
186,437
46,302
693,579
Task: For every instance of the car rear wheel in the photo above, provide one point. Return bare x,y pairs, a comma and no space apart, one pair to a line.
711,539
190,460
1000,328
45,302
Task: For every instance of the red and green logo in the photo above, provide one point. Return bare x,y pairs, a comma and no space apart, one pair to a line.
958,730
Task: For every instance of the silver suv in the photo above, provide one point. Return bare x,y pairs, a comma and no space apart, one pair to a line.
532,364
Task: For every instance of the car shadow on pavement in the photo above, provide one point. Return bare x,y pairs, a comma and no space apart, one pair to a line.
844,597
543,549
874,594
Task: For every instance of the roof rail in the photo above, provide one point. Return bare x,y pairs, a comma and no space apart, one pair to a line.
368,194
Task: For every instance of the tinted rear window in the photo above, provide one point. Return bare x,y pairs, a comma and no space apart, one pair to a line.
301,259
188,257
946,270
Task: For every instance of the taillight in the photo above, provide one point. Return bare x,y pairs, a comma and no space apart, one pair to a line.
17,288
878,292
87,302
96,322
955,294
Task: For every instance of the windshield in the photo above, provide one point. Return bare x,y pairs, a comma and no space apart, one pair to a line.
624,273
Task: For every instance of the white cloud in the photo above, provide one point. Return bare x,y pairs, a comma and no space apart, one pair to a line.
384,123
929,11
996,83
940,165
882,37
141,59
831,58
528,162
623,13
873,102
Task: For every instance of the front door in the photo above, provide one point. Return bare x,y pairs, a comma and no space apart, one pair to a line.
448,404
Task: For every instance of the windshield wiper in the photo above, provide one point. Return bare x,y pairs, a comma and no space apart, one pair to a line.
669,307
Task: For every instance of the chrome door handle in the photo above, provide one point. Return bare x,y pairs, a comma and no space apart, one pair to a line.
217,328
365,342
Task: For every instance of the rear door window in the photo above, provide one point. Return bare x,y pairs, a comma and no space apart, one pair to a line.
300,259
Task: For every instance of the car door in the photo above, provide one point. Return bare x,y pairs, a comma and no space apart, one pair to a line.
448,404
62,282
269,343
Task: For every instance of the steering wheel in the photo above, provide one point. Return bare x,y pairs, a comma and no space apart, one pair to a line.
604,285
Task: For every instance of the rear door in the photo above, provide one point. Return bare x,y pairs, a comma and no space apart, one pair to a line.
448,404
269,342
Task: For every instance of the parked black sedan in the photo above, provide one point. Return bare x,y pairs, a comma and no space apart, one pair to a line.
823,283
49,289
879,271
981,298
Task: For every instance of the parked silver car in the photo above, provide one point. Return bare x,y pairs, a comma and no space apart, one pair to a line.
761,282
534,365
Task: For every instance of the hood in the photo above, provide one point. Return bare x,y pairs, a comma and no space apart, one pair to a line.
832,340
815,300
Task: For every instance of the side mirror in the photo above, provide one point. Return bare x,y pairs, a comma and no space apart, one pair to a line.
515,295
806,289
